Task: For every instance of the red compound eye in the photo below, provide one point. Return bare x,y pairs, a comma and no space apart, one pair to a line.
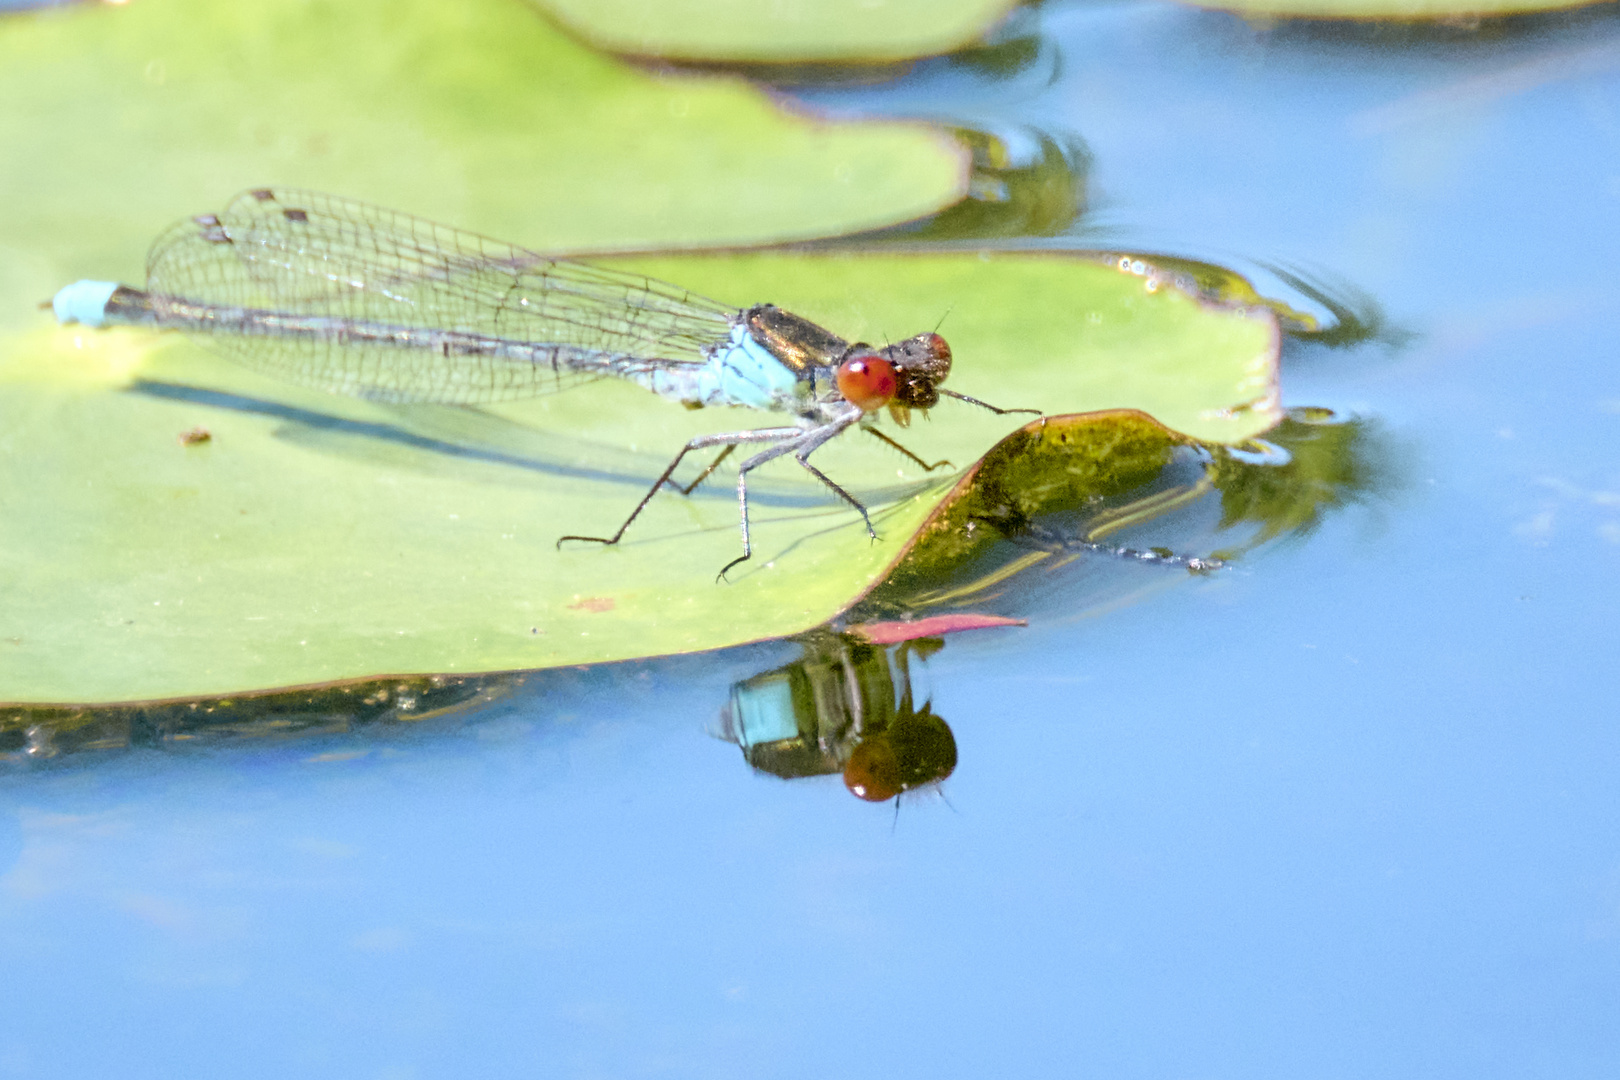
867,380
936,346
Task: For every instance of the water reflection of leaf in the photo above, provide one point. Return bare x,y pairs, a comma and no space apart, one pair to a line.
1221,285
41,733
1013,48
1037,191
1005,54
1330,464
1358,317
1024,182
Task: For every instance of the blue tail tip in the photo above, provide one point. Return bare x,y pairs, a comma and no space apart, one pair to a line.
83,302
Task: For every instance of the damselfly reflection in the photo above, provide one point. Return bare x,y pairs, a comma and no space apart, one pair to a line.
847,707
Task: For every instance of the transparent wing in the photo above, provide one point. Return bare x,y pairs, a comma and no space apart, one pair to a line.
307,254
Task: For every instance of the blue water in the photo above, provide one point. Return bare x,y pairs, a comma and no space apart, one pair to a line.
1350,808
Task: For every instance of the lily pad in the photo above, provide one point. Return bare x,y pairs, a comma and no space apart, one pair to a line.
783,31
313,538
1026,512
120,119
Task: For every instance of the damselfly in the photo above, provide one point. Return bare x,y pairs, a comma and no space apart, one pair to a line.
381,305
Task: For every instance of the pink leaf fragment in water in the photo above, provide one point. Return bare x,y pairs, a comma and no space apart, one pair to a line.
889,633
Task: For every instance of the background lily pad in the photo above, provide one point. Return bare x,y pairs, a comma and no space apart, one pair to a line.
780,31
121,119
314,538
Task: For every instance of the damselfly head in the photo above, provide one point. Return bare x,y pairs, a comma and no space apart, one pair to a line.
921,363
925,357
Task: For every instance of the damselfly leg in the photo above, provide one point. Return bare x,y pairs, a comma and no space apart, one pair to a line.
983,404
1030,534
941,463
706,473
798,441
702,442
801,448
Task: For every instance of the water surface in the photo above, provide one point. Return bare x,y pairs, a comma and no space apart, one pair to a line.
1344,809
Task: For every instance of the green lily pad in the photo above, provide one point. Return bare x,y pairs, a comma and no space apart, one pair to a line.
1395,10
783,31
313,538
120,119
1033,505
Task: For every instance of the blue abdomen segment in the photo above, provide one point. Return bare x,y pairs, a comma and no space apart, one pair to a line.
740,371
745,373
83,302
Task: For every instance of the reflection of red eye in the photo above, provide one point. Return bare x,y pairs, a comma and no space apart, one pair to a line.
873,772
867,380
